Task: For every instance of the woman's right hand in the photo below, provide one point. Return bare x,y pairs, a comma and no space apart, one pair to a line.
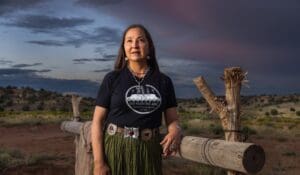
101,169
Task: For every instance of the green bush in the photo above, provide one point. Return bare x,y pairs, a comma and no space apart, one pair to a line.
290,153
216,129
26,108
40,106
10,158
274,112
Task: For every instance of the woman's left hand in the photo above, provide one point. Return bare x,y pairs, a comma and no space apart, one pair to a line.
171,142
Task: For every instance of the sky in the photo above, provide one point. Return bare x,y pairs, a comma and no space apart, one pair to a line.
69,46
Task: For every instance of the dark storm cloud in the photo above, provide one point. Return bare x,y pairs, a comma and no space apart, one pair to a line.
102,35
9,6
102,59
15,71
102,70
47,43
22,77
98,2
44,23
25,65
84,60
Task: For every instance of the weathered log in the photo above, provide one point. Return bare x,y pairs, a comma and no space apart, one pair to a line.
233,78
71,126
75,106
237,156
211,99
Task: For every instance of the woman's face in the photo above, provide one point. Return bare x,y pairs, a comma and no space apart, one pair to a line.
136,45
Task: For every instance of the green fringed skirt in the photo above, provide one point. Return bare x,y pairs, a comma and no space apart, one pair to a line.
129,156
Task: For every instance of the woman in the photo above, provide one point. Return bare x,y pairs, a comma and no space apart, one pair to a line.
128,112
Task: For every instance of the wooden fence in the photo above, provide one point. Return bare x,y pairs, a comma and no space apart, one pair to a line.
231,154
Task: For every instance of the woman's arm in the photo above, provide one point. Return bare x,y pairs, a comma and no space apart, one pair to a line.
100,166
172,140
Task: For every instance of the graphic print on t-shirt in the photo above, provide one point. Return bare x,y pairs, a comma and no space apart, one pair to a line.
143,99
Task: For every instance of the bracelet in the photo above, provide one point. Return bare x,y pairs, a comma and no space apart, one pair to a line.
178,127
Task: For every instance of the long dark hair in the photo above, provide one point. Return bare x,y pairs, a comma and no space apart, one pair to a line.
152,62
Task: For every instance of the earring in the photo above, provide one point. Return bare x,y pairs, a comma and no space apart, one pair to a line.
126,59
148,57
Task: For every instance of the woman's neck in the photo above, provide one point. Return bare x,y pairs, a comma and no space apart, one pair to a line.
138,69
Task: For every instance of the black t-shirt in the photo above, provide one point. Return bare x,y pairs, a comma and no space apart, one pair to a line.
132,105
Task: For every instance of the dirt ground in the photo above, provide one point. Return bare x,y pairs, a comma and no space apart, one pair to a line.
282,156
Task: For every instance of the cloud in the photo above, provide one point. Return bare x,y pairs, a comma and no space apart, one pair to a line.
47,43
100,36
24,77
16,71
9,6
26,65
44,23
102,70
84,60
5,62
98,2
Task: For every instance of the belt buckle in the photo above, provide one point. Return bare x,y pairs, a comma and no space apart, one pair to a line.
111,129
131,132
146,134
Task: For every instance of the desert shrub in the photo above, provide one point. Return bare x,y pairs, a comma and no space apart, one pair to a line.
53,108
292,109
9,103
298,113
216,129
1,109
281,139
274,112
26,108
184,125
248,130
193,131
38,158
289,153
40,106
10,158
267,113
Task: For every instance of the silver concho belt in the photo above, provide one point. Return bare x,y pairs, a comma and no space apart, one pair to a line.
132,132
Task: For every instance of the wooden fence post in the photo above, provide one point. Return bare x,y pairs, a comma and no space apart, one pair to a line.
84,158
228,110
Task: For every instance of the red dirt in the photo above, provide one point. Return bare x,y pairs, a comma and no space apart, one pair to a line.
41,139
49,139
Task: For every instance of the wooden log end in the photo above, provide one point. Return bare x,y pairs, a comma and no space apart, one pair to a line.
197,80
254,159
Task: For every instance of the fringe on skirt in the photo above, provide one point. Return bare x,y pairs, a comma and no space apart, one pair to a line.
129,156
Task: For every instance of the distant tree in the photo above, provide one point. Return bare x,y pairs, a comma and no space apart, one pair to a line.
64,109
40,106
9,103
53,108
274,112
26,108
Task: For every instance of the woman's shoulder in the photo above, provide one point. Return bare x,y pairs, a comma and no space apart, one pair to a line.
164,76
112,75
